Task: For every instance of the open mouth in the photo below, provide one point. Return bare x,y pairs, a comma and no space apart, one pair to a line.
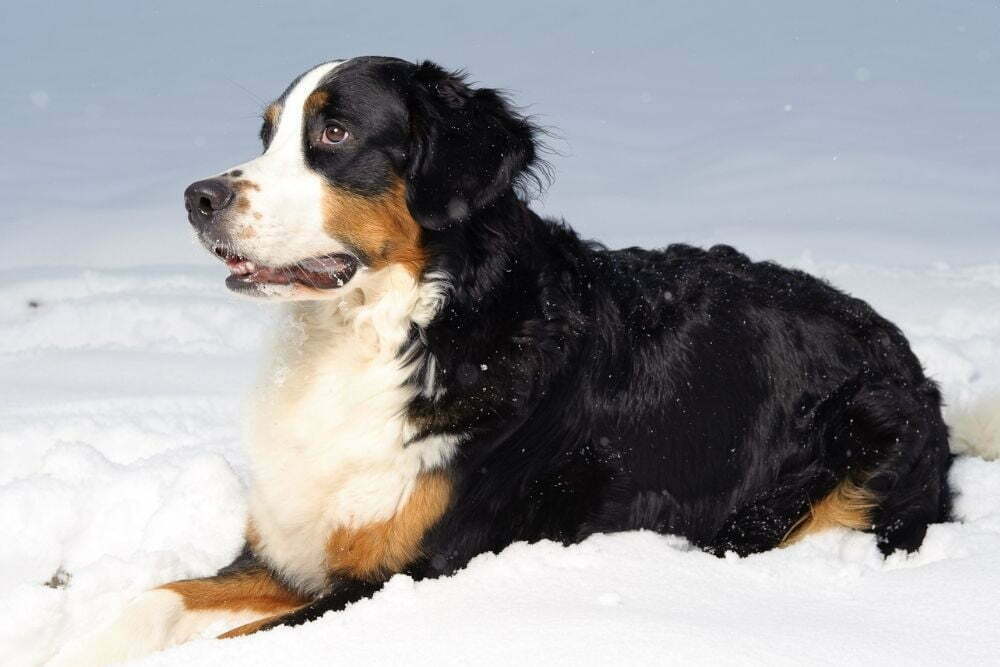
324,272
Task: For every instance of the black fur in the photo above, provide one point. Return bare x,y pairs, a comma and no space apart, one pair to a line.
685,391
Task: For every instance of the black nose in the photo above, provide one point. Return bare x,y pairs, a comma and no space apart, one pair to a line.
206,198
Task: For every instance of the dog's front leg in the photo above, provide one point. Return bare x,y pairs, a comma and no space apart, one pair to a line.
342,593
177,612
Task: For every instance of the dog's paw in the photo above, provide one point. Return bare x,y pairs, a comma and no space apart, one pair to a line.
150,623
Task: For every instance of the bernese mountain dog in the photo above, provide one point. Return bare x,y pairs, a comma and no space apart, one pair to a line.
454,373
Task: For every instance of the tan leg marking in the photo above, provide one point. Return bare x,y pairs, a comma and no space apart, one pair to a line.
252,590
250,628
849,505
374,551
384,548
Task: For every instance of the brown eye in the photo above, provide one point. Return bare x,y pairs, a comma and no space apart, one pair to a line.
334,134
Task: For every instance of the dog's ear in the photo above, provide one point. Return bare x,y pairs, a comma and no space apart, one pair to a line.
467,147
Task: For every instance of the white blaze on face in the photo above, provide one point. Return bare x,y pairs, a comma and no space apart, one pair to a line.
283,222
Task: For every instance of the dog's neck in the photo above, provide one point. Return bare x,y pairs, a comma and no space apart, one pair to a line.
375,313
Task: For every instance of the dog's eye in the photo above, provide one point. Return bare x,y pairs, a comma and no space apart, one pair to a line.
334,134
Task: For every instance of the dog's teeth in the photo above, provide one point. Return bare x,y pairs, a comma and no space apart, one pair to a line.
242,268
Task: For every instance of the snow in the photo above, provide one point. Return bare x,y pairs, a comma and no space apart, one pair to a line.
858,142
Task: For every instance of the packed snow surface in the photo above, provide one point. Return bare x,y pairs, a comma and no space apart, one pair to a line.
856,140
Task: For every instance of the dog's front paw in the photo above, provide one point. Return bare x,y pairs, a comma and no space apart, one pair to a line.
148,624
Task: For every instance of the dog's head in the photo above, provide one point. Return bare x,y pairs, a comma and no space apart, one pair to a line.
361,157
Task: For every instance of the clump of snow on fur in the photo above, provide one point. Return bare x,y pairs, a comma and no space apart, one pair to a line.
975,430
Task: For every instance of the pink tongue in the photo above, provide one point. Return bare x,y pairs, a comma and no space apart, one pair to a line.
268,275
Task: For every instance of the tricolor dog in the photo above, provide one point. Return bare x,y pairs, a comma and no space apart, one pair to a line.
454,373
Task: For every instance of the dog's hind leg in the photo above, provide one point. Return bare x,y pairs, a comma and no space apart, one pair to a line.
766,521
910,477
888,444
881,465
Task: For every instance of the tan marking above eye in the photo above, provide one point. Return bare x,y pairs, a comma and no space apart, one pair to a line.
316,101
380,226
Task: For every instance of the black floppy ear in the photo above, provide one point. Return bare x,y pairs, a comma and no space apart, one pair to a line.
467,147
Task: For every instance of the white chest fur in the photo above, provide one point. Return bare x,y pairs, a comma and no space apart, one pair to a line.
327,426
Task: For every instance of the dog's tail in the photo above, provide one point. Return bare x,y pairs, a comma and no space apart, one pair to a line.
975,430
